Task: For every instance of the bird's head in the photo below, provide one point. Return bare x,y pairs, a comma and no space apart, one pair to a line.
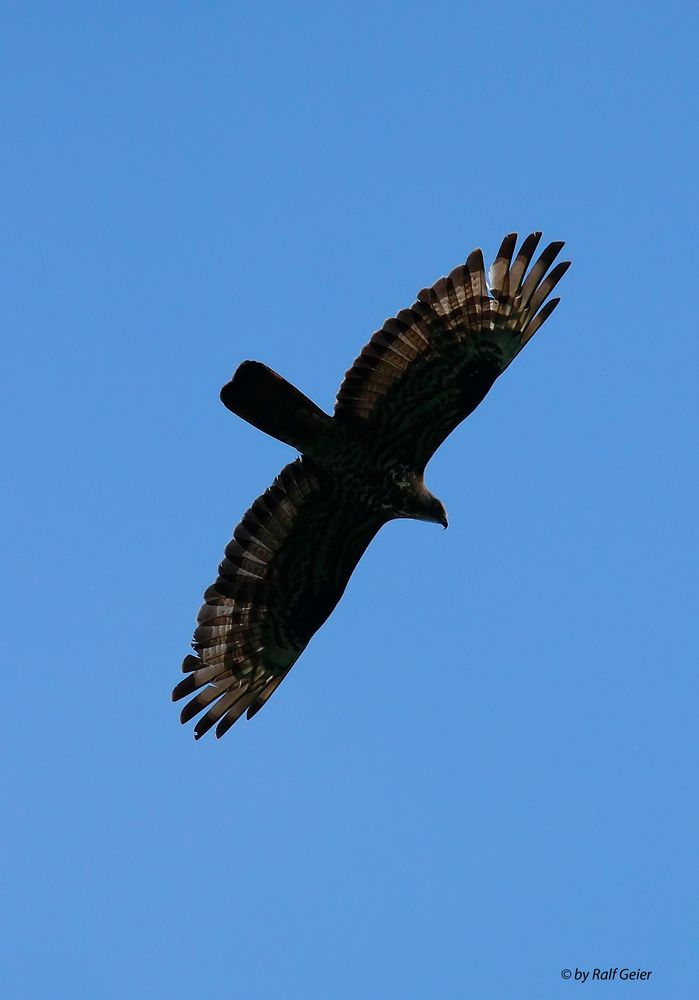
434,510
417,502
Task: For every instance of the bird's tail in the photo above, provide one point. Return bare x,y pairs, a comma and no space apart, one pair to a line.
273,405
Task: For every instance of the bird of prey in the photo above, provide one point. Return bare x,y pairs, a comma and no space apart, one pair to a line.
292,554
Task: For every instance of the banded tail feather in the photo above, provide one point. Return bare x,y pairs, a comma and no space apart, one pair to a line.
273,405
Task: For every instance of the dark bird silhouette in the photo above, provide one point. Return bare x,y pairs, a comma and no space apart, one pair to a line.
292,554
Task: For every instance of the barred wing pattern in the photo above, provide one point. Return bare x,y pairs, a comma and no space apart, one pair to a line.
431,365
283,573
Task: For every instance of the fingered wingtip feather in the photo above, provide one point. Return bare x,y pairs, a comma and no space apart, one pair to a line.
190,663
177,691
534,289
540,294
188,712
537,322
475,263
529,244
498,271
509,242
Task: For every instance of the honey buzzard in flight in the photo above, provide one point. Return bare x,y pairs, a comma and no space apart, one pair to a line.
292,554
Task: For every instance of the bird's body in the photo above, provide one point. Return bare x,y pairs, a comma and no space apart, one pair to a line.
295,549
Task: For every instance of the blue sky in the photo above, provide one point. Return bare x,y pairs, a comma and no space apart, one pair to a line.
483,769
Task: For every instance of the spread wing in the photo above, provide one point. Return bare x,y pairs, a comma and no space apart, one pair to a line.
283,573
431,365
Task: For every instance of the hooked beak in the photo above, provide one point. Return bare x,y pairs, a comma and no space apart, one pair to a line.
439,516
431,509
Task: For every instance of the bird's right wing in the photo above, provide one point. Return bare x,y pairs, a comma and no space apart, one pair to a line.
431,365
283,573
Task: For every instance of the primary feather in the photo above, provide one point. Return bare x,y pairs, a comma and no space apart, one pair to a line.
295,549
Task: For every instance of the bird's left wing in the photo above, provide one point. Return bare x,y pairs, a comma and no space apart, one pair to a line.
283,573
431,365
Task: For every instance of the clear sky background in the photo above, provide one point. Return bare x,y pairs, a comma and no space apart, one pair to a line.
483,769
